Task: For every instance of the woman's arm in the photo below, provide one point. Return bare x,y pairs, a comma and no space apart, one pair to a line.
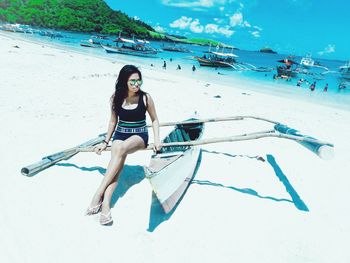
155,123
111,127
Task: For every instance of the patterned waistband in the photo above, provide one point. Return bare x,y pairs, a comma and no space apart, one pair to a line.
132,130
132,124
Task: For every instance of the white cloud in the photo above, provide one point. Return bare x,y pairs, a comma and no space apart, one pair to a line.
236,19
221,8
198,3
213,28
219,20
181,23
328,49
196,27
159,29
258,28
226,31
256,34
246,24
136,18
187,22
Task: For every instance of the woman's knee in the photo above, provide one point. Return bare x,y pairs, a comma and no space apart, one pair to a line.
119,149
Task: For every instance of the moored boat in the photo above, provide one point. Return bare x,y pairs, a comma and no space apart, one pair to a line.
289,70
89,43
309,63
171,170
345,70
176,49
125,46
284,72
217,59
95,41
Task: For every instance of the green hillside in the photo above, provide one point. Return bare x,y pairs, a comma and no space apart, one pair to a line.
74,15
93,16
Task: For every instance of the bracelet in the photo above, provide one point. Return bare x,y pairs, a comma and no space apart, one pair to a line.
105,142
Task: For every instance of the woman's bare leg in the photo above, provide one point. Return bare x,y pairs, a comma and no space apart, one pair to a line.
120,149
114,166
131,145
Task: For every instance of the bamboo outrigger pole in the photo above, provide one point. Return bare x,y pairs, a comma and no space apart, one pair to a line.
218,119
322,149
52,159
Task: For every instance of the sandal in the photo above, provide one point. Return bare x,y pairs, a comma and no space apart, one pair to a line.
93,210
106,219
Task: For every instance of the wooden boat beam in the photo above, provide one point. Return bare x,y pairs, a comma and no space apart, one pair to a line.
321,148
52,159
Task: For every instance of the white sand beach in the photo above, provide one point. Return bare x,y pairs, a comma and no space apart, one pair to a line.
287,206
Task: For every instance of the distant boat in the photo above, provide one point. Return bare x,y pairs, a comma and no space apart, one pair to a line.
217,59
17,28
283,72
262,69
51,34
267,50
287,71
89,43
176,49
94,41
345,70
309,63
130,47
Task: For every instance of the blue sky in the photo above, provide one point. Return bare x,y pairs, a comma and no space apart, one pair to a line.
321,28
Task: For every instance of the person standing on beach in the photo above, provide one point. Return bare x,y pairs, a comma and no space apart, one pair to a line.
325,88
313,86
128,131
193,68
299,82
164,64
341,86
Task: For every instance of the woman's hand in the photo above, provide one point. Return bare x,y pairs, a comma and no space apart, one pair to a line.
100,147
156,147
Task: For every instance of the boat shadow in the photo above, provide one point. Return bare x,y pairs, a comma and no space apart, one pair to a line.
295,198
132,175
100,169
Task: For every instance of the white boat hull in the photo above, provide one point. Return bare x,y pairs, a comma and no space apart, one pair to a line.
171,182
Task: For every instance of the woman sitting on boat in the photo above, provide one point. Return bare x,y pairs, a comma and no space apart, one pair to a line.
127,124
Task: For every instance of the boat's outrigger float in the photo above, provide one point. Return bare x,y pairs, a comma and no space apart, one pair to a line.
172,168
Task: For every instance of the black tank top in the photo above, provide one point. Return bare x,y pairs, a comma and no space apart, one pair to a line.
134,118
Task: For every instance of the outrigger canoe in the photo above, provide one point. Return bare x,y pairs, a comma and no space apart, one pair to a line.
171,170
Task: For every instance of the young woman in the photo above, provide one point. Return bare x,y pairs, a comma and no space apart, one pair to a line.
127,124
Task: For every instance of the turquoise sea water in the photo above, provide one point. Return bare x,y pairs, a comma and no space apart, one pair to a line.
256,81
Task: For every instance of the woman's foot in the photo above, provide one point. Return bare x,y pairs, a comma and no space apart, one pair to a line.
106,216
106,219
93,210
95,207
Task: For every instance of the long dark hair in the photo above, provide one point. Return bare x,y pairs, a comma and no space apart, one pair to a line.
121,86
